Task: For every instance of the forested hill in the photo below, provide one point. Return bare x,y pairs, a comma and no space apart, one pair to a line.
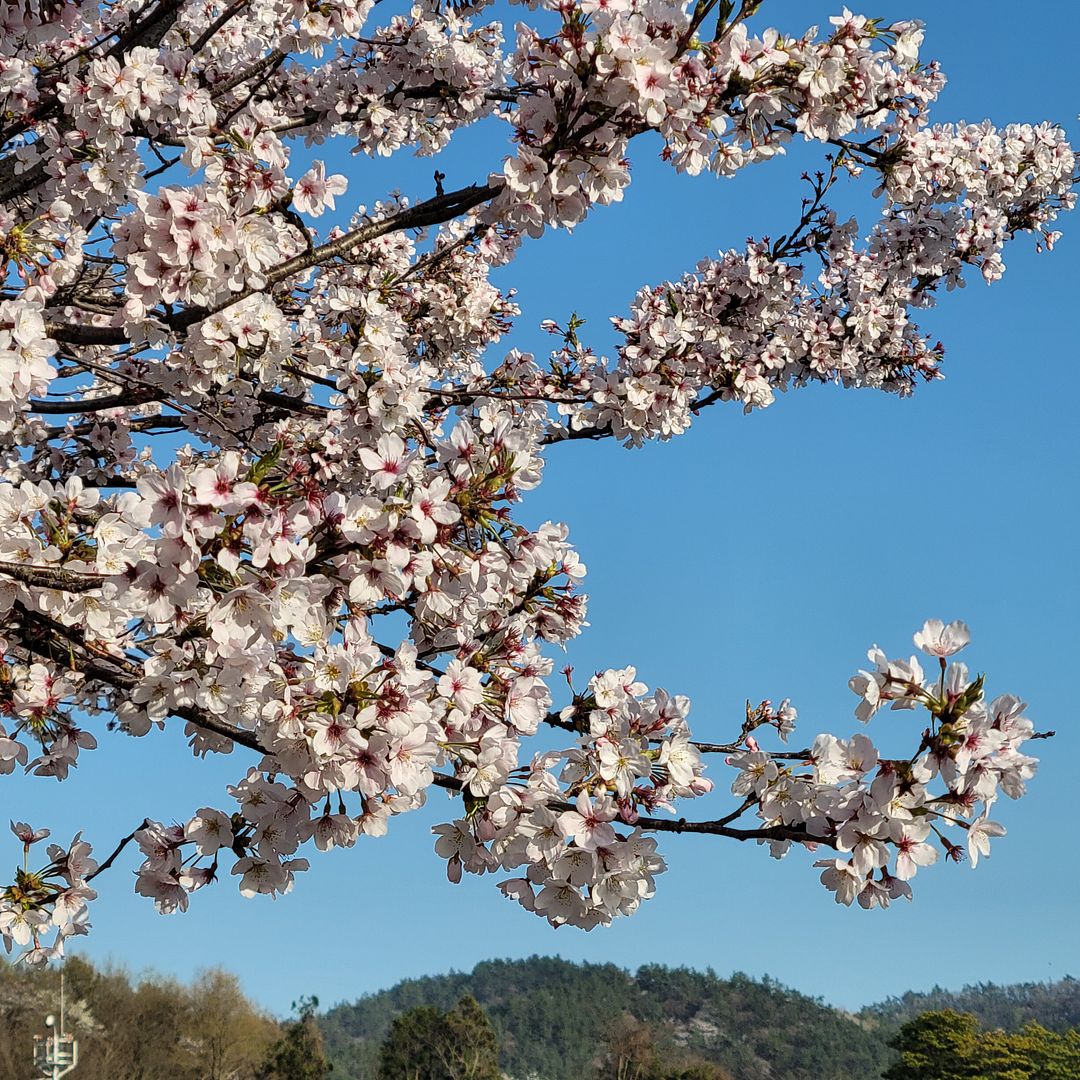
551,1017
1054,1005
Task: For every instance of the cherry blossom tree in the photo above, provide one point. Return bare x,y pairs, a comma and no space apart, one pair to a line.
260,478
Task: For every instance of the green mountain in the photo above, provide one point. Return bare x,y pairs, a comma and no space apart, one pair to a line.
552,1017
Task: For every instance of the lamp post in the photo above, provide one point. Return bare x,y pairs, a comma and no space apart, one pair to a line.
56,1054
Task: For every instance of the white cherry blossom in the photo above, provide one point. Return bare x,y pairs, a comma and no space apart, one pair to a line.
262,477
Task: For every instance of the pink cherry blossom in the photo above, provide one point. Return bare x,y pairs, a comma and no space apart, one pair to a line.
315,191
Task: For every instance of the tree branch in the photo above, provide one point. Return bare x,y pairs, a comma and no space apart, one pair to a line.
796,834
102,867
432,211
52,577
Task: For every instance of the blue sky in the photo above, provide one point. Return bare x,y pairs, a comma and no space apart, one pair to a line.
754,557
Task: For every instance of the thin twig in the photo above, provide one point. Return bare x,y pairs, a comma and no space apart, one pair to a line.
102,867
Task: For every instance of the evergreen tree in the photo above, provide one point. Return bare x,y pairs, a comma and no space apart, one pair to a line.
469,1047
935,1046
408,1052
428,1044
298,1054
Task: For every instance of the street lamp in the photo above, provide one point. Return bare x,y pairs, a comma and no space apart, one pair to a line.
56,1054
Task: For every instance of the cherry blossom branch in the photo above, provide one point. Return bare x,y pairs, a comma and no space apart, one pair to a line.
52,577
735,748
116,852
432,211
681,825
275,56
236,584
143,395
96,663
221,21
98,666
797,835
201,718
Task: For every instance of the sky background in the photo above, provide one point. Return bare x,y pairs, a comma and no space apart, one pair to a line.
757,556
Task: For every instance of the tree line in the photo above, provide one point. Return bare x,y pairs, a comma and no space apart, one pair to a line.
455,1027
426,1043
156,1028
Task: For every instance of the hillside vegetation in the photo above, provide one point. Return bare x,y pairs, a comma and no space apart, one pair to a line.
552,1018
1054,1005
152,1027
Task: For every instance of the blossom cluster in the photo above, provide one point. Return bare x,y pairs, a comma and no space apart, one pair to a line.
51,899
25,350
634,755
883,815
261,475
747,325
620,68
185,247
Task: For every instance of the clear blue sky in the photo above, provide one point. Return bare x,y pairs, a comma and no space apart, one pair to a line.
757,556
